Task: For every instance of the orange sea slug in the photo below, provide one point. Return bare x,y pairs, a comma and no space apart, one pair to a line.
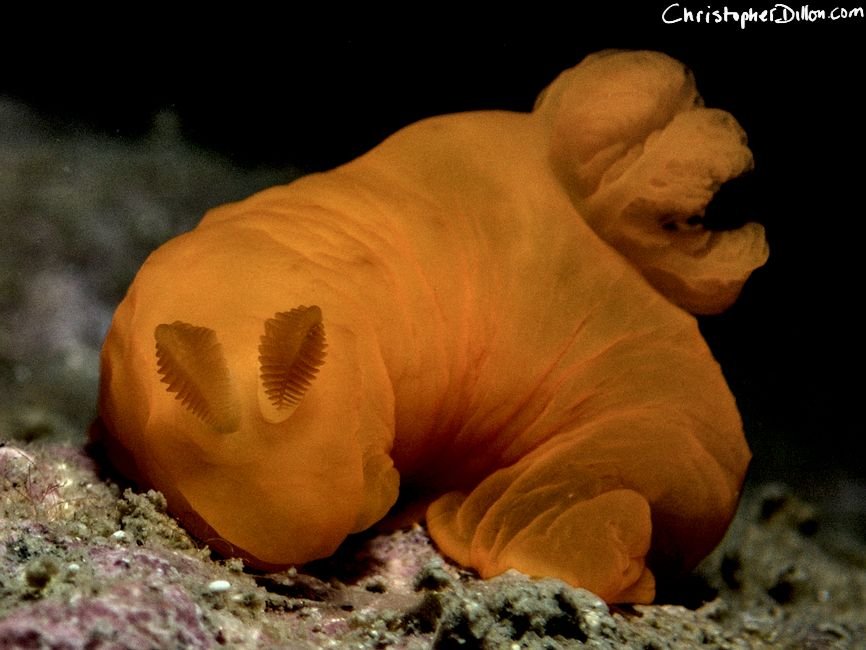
489,312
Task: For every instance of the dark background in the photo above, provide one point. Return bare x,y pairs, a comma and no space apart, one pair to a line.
269,89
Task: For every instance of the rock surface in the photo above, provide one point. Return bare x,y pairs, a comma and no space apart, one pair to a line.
88,565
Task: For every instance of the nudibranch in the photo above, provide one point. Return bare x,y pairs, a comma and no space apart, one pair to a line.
490,312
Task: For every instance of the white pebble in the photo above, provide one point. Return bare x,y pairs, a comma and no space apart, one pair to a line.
219,586
73,567
118,535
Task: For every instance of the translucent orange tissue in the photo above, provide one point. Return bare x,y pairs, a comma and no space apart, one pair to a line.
489,309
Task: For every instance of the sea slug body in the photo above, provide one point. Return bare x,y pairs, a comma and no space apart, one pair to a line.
489,313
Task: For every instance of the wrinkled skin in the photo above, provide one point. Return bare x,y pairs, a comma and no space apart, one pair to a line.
505,302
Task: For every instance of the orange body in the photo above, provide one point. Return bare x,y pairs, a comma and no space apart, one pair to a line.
489,309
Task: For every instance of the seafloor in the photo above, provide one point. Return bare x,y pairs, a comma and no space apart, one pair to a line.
87,563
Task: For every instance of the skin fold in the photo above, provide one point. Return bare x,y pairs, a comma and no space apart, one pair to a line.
495,308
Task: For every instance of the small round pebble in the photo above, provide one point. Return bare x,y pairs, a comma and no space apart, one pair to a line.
219,586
